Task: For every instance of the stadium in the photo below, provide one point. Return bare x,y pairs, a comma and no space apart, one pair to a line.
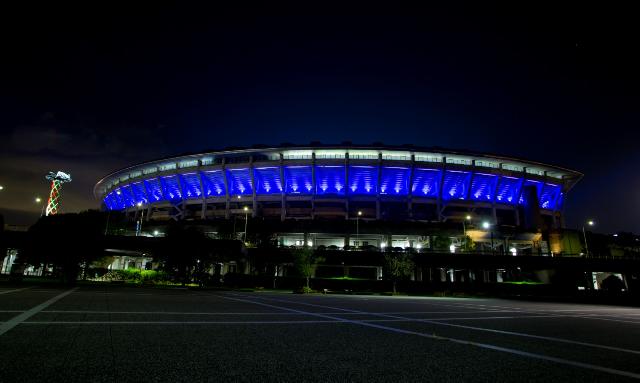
328,185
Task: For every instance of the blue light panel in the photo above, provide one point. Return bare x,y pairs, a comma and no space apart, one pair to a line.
119,199
267,180
171,188
363,180
330,180
127,196
154,190
549,196
508,190
239,181
538,186
456,185
213,183
394,181
426,183
190,185
298,180
111,202
483,187
139,194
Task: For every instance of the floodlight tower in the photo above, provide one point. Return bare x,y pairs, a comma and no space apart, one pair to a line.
57,179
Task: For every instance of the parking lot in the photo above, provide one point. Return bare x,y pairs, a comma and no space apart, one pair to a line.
117,333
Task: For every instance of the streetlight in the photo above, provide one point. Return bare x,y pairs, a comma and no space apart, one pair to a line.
486,225
38,201
584,233
1,187
358,228
246,220
464,229
139,225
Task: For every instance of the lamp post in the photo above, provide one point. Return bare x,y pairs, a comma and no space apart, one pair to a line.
38,201
358,228
246,220
487,226
584,233
139,228
464,230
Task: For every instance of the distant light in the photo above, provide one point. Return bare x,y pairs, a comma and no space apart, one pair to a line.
383,245
38,199
156,232
513,251
239,197
590,223
309,243
419,246
1,187
139,204
615,235
246,208
486,225
452,248
468,217
359,213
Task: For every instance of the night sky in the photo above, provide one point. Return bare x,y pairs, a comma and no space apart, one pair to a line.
90,91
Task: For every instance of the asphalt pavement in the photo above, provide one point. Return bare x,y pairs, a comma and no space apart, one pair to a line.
121,334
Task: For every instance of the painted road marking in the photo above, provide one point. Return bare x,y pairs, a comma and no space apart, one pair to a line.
13,322
14,290
454,340
437,322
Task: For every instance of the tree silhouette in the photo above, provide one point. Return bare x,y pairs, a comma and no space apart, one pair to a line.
398,266
68,242
306,262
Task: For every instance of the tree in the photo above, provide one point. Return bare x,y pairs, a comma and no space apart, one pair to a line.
184,249
68,242
398,266
441,243
306,261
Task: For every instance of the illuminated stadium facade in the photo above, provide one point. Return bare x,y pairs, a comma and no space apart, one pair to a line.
376,182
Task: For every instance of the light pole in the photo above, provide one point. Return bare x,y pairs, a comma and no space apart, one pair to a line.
38,201
246,220
139,228
487,226
584,233
358,228
464,229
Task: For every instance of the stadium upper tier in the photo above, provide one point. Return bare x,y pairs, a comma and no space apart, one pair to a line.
342,172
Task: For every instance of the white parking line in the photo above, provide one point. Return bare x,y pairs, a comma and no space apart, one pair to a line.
454,340
436,321
13,322
14,290
256,313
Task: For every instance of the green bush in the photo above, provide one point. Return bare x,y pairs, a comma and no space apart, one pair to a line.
136,276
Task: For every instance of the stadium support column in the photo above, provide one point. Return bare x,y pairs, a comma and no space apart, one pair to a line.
517,201
410,184
346,185
494,192
283,199
182,205
203,212
226,188
254,200
313,182
440,188
378,186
